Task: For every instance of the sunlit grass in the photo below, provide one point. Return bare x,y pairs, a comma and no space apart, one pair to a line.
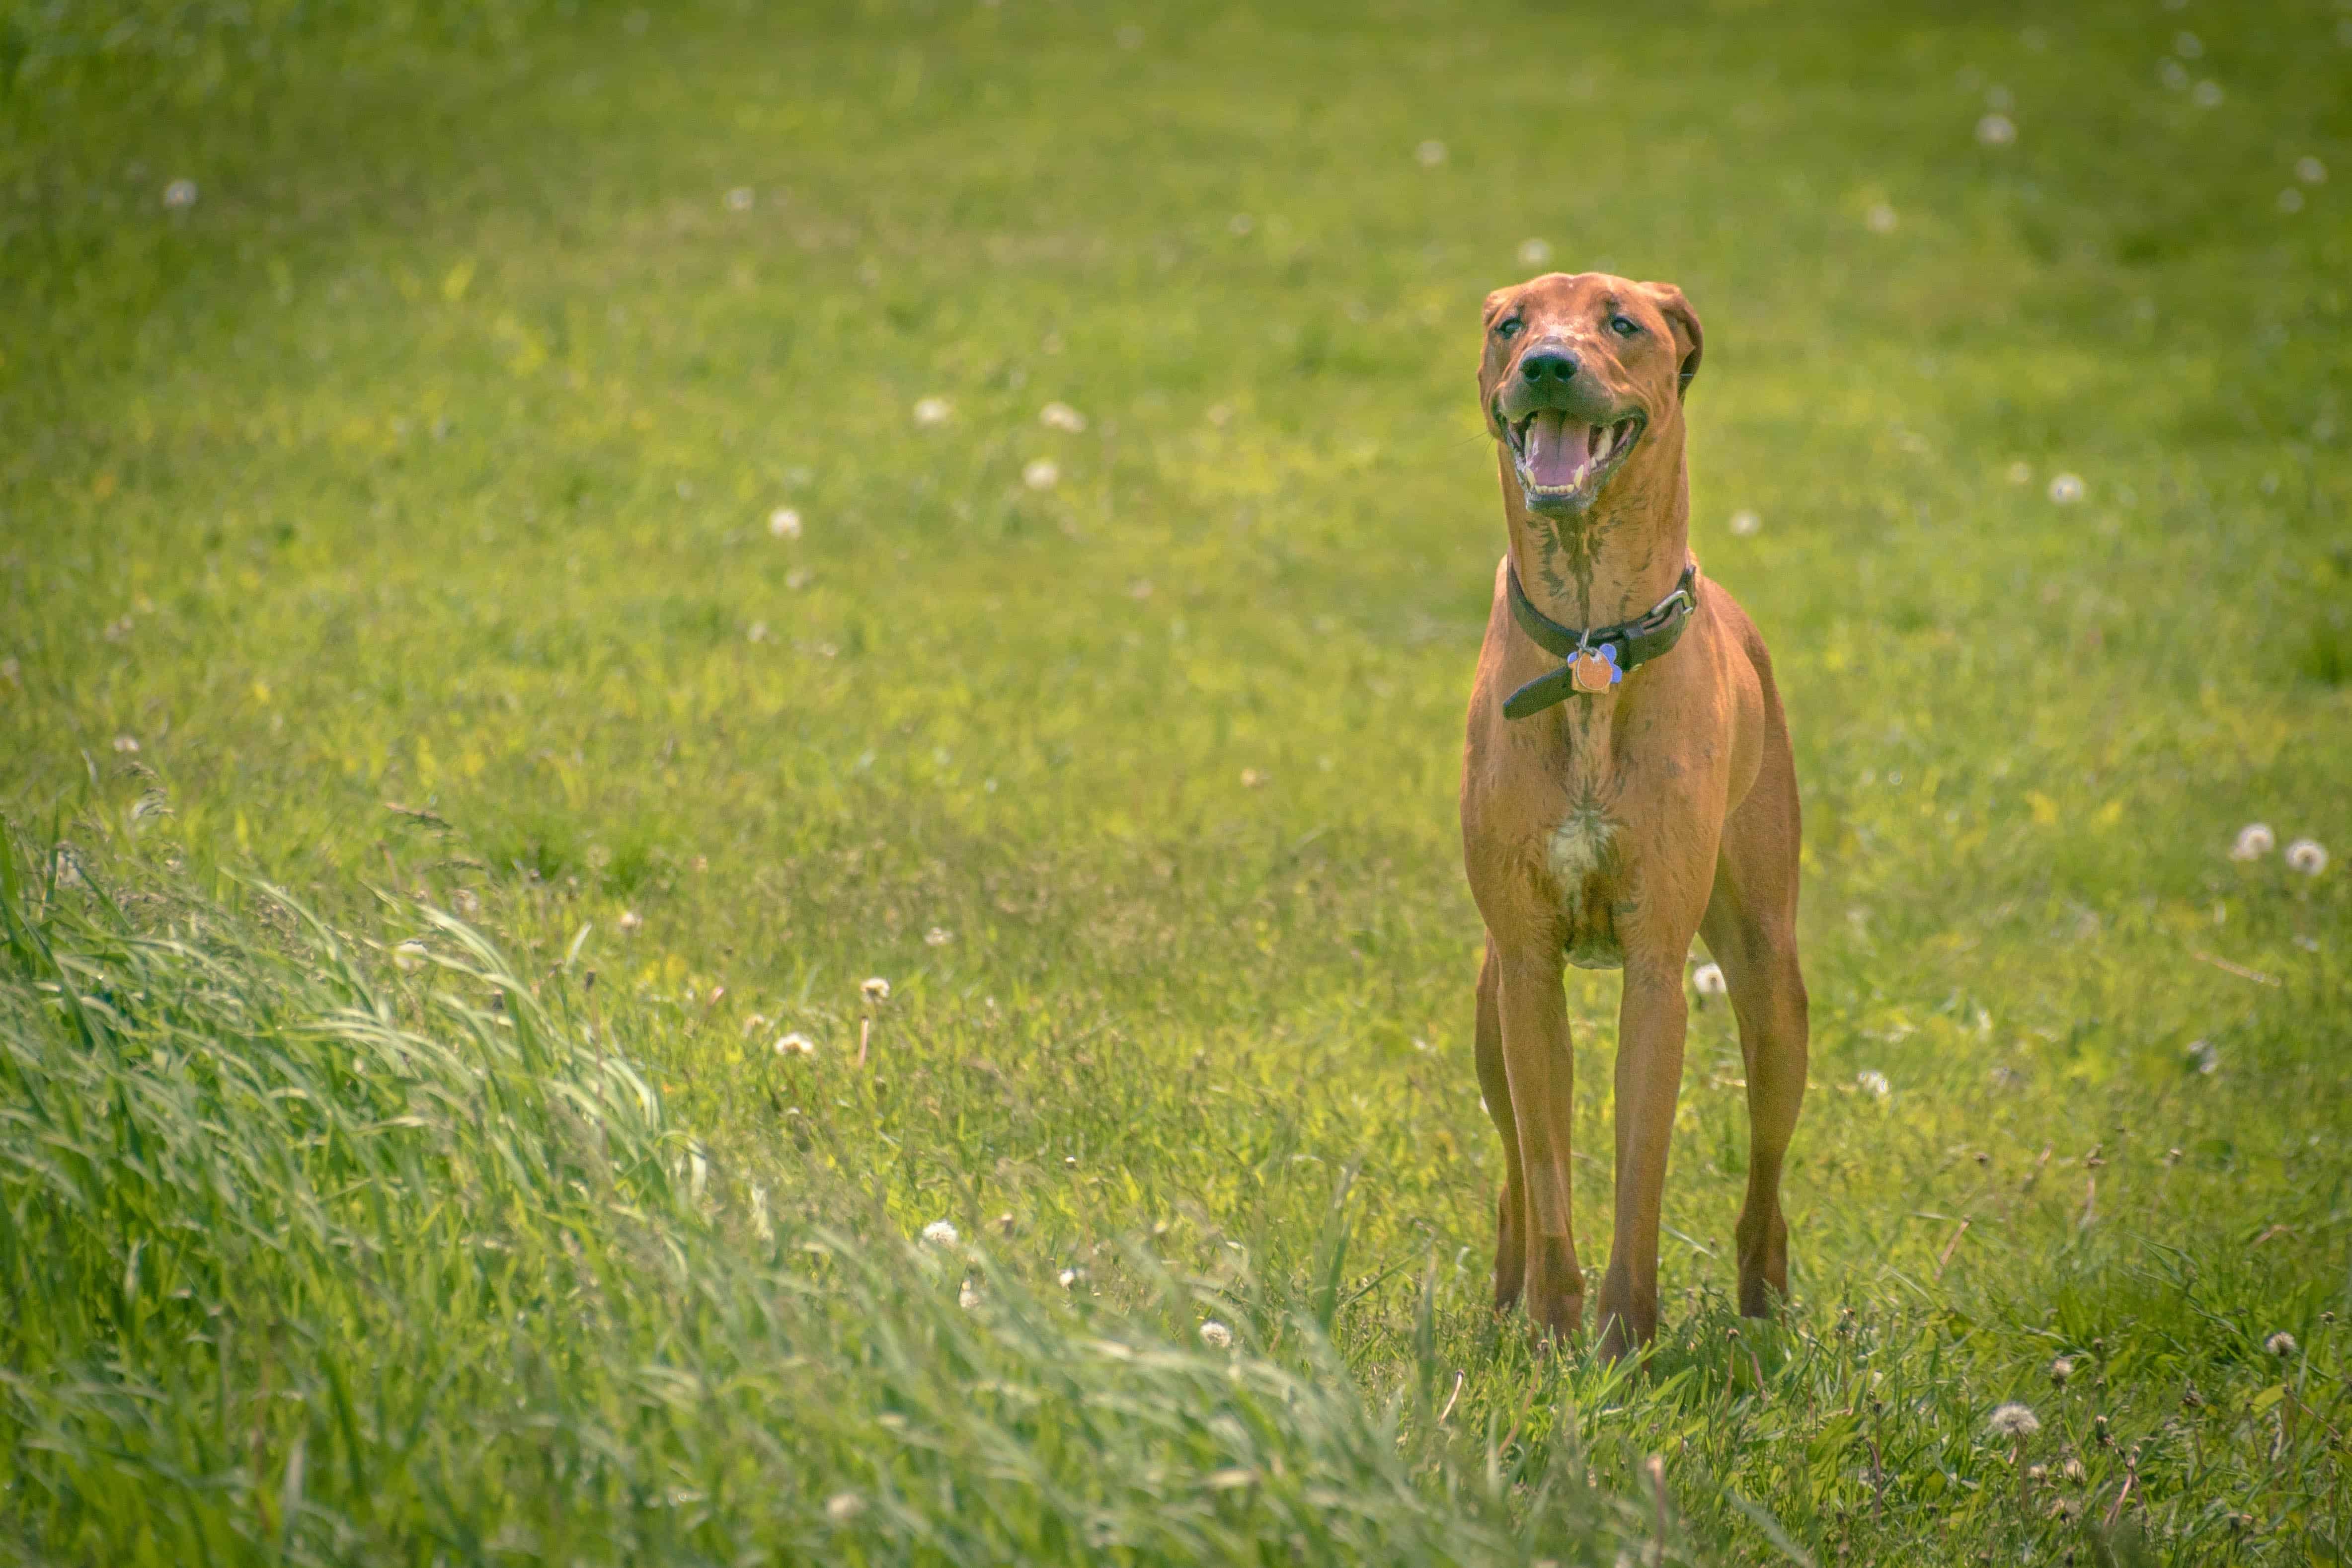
395,515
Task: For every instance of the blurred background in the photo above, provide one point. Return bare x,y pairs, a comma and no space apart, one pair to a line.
990,495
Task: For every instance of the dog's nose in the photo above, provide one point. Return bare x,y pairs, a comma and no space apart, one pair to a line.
1548,365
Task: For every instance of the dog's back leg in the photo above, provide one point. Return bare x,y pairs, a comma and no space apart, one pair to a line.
1751,931
1495,1085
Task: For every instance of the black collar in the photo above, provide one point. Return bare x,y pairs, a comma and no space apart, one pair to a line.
1597,659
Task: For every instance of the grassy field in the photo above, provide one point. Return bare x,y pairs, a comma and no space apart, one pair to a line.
536,565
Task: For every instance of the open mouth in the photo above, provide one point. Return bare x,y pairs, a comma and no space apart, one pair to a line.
1560,460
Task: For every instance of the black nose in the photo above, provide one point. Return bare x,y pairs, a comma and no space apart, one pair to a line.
1548,365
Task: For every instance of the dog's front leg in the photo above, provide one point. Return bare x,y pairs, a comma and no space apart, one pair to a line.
1541,1072
1651,1021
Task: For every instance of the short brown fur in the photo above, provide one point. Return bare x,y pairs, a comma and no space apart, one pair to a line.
1611,829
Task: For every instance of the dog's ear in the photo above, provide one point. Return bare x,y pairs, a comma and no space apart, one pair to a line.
1690,341
1493,305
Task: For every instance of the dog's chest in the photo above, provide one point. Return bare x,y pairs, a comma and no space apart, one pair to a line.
1583,860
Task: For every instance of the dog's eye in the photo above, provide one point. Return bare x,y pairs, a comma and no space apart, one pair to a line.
1507,329
1623,326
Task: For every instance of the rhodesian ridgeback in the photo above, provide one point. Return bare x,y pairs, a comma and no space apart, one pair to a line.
1627,783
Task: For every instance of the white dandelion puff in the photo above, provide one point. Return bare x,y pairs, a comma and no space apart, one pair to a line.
2208,94
125,743
938,936
2307,856
874,989
739,200
1707,980
2066,490
968,1296
2020,472
2280,1344
1996,131
409,956
1872,1082
1745,522
1216,1336
2290,200
843,1507
2061,1370
785,523
2254,840
1880,218
1068,1277
631,920
2310,171
2013,1421
1429,153
794,1045
467,902
180,195
1533,252
931,410
1043,474
2201,1057
761,1224
1061,416
940,1233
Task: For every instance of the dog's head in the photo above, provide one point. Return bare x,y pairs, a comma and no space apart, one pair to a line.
1582,373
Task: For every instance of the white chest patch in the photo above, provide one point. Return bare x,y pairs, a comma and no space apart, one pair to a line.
1583,843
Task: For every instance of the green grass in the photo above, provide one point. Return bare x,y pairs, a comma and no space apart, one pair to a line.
429,457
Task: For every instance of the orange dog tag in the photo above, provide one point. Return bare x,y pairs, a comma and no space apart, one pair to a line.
1595,671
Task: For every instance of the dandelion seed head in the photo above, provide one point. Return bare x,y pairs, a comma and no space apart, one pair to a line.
1872,1082
1256,778
2066,490
180,195
2020,472
2254,840
2307,856
938,936
1745,522
968,1296
2281,1344
2202,1056
2061,1370
1880,218
843,1507
795,1045
1216,1336
2013,1421
1707,980
931,410
125,743
1996,131
631,920
467,902
2310,170
1041,474
874,989
798,578
739,200
1429,153
1533,252
2290,200
2206,94
940,1233
1061,416
1068,1277
785,523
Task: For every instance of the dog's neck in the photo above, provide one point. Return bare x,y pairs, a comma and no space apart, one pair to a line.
1614,562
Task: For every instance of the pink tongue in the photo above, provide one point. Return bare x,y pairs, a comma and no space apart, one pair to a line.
1556,449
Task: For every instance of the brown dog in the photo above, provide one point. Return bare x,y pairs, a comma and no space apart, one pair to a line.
1642,792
